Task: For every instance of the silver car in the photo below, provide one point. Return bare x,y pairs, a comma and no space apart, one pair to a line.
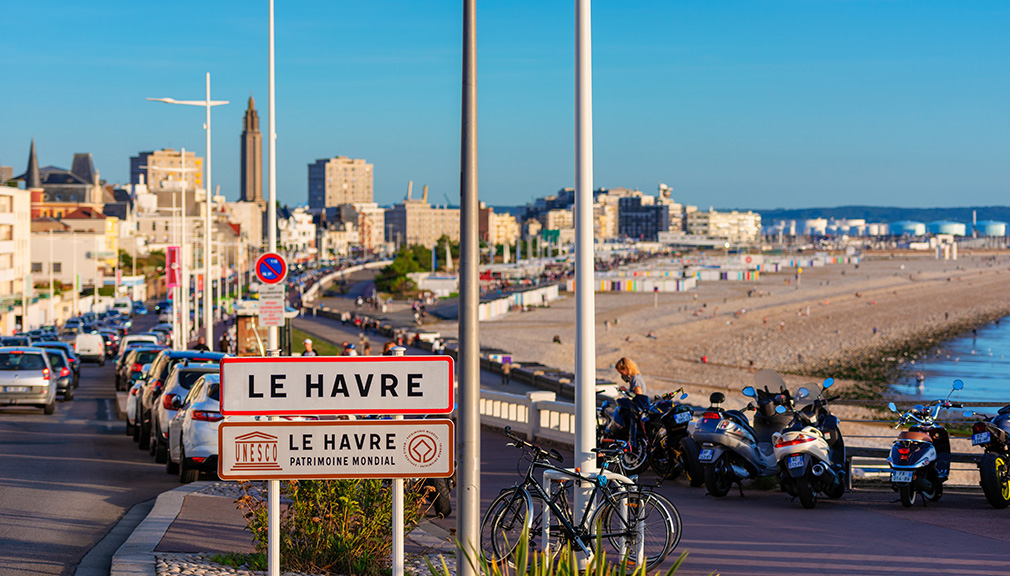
192,433
177,386
26,378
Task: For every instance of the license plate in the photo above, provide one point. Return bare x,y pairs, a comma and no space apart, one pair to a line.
15,388
980,438
682,417
795,461
901,476
705,455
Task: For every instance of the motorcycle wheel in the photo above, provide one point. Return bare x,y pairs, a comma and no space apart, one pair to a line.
717,478
907,495
936,493
835,491
663,459
994,480
636,459
689,453
806,494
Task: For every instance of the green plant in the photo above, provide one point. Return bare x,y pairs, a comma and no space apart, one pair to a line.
565,563
332,526
254,561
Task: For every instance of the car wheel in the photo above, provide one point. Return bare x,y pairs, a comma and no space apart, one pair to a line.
129,429
51,407
152,443
160,451
170,466
68,394
187,473
144,442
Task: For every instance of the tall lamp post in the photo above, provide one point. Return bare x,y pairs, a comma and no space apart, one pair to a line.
208,308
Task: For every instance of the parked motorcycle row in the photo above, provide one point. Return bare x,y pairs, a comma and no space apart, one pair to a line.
800,445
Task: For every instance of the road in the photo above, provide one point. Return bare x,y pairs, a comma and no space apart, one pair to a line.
67,479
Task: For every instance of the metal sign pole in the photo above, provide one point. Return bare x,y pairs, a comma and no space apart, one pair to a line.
468,492
398,505
273,335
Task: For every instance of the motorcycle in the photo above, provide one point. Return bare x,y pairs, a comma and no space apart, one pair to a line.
673,452
993,434
811,452
920,456
634,409
731,449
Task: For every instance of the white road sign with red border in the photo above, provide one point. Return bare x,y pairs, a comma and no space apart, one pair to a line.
337,385
416,448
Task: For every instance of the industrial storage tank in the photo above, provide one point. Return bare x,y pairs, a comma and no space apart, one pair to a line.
876,229
946,227
907,228
991,228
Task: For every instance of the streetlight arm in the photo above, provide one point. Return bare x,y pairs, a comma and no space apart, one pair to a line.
189,102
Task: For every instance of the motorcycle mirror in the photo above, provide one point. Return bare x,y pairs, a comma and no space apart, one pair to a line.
892,407
780,409
958,384
828,382
920,407
684,395
967,413
802,393
749,392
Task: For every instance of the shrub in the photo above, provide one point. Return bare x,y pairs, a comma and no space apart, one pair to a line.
332,526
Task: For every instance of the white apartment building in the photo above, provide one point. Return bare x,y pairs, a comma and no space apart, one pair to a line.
296,234
737,227
416,222
340,180
15,253
502,228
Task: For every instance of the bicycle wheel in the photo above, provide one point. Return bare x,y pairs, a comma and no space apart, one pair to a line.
633,524
674,515
504,522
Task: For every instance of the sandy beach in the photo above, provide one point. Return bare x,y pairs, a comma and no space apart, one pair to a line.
834,313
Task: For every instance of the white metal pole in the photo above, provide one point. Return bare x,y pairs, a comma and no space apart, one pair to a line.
52,305
73,236
184,269
273,339
94,302
208,239
585,325
398,506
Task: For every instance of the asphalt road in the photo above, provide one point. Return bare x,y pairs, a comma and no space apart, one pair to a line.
67,479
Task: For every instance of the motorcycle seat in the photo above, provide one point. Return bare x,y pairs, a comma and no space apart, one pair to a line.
914,436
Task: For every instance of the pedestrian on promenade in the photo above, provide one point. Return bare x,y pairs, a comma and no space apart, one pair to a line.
201,345
222,344
387,348
367,348
506,372
307,343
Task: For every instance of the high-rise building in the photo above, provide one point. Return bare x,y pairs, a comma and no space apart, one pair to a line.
165,175
416,222
340,180
641,221
252,156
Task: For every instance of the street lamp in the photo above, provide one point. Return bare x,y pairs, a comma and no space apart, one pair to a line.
208,308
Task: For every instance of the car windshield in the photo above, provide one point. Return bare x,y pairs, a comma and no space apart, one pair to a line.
15,341
145,356
21,361
189,377
56,360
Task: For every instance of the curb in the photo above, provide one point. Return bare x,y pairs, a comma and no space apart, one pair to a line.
136,556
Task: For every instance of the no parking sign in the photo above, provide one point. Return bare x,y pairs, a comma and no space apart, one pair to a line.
271,268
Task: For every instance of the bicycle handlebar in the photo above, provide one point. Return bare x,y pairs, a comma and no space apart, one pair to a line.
538,451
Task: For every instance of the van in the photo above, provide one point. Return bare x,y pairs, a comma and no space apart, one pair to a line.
124,306
90,348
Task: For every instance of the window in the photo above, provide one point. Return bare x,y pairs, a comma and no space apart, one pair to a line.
36,267
57,267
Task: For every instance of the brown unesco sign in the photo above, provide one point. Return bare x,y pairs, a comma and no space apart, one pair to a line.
416,448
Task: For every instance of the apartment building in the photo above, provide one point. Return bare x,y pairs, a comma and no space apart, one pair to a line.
417,222
340,180
737,227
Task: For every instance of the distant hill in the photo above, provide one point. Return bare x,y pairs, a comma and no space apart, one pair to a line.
888,214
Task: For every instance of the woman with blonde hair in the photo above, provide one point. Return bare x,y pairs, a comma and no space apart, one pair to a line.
630,373
639,400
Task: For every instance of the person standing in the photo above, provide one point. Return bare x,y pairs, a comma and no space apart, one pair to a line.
201,345
506,372
309,351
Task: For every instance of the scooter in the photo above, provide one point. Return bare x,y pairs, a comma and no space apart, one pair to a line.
993,434
673,451
811,452
732,450
920,457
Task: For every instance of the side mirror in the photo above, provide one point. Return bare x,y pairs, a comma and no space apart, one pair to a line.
828,382
780,409
176,403
892,407
967,413
749,392
958,384
683,396
802,393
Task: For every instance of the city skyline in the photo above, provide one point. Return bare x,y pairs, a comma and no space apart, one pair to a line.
750,105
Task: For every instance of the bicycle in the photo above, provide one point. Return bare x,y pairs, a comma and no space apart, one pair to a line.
640,525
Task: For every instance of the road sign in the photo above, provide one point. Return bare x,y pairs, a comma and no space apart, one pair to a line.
313,450
271,268
336,385
271,304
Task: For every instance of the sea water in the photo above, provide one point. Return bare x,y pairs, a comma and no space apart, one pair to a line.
981,359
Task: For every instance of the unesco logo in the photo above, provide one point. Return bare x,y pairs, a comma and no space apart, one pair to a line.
422,449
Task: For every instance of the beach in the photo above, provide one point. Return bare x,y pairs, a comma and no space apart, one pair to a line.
713,337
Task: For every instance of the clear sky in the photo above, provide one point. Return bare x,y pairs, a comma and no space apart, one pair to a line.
751,104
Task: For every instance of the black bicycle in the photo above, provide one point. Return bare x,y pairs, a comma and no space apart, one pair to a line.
636,524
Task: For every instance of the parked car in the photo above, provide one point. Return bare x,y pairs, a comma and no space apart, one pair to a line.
26,379
90,347
133,360
18,340
165,314
161,367
61,372
139,309
143,338
133,401
111,339
176,387
68,351
123,306
192,433
162,305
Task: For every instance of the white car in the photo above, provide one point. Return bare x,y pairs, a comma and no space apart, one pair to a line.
133,402
192,433
136,338
177,386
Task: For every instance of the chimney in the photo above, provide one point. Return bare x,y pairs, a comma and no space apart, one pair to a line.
425,197
410,188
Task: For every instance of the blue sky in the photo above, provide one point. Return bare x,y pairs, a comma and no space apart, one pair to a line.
735,104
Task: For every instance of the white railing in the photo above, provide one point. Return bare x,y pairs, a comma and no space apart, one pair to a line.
537,414
313,292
